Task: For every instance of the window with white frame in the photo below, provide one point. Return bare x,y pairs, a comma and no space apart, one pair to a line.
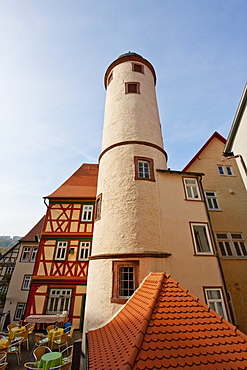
144,169
225,170
10,270
201,237
26,282
215,301
34,254
87,213
61,251
191,189
59,300
29,254
4,289
84,251
212,201
232,245
19,311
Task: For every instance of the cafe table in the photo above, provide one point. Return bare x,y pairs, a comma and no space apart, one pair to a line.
51,359
53,333
14,332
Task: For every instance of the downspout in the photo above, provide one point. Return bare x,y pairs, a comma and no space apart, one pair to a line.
230,310
230,156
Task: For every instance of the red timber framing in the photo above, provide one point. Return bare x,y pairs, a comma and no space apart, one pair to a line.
60,273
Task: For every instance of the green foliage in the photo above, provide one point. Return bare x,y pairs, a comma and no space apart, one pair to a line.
8,241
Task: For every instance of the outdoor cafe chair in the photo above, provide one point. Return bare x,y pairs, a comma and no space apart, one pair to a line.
24,335
40,340
3,365
38,352
15,347
64,366
67,353
3,356
11,326
49,327
30,366
61,340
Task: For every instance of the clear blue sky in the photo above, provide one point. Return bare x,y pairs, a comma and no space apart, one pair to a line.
54,54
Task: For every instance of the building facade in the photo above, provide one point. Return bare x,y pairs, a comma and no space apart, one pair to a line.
226,201
150,219
236,145
20,283
60,273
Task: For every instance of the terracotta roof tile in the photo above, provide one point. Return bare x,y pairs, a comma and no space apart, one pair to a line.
36,230
163,326
83,183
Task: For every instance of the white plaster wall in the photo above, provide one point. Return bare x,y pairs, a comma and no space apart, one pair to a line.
130,212
131,116
240,145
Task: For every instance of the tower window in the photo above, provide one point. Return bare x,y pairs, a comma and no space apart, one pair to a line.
144,169
137,68
98,207
132,88
125,280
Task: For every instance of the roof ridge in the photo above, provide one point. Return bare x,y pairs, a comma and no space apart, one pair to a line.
140,336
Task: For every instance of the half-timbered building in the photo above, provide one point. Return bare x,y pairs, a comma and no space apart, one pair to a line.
60,274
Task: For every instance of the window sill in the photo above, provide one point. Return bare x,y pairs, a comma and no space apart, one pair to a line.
119,300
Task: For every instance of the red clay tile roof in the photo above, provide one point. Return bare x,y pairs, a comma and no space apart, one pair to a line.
215,134
36,230
83,183
163,326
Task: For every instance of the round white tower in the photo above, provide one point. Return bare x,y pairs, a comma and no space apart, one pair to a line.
127,239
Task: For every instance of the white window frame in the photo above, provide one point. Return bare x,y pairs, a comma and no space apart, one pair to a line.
29,253
10,270
225,170
126,281
61,251
232,245
212,201
26,252
59,300
26,282
192,190
84,250
4,289
33,254
19,311
198,238
144,169
217,304
87,213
